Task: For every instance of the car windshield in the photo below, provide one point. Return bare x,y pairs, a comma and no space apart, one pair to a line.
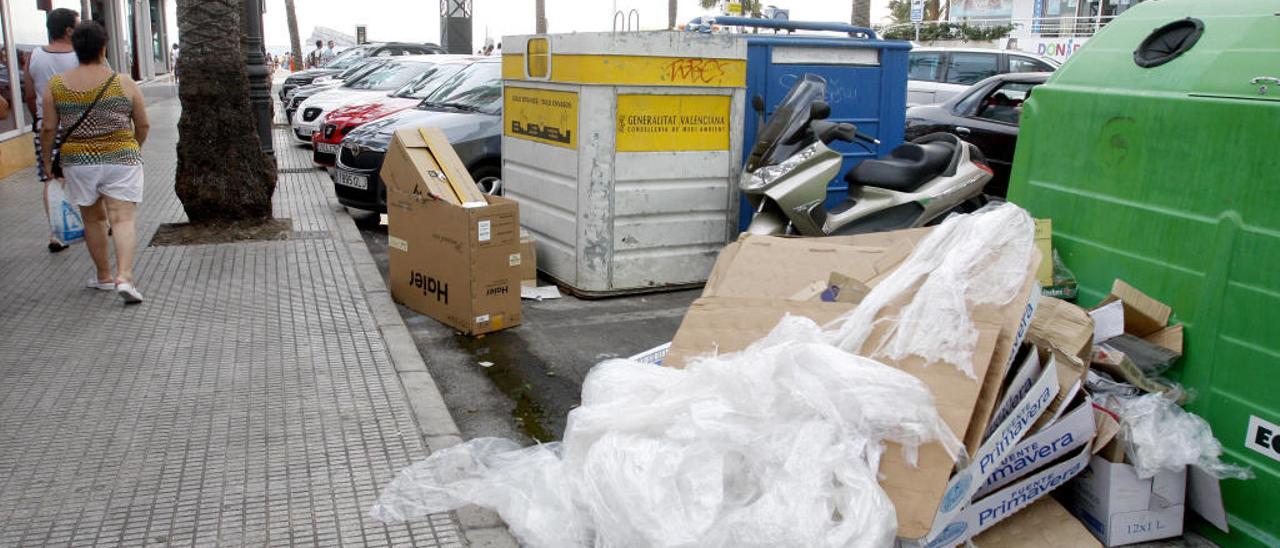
359,69
478,87
390,76
347,59
424,85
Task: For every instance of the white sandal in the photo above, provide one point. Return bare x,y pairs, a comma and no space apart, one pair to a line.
95,283
130,294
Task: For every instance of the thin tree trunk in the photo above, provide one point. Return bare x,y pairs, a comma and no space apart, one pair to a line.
540,16
295,43
861,16
671,14
222,174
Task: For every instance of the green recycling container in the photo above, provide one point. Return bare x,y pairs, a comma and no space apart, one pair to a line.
1156,151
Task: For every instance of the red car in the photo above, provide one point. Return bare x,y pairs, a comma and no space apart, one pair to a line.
336,125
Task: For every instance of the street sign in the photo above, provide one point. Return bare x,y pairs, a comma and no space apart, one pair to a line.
361,34
917,11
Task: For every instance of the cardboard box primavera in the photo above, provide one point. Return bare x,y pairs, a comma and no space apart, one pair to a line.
757,280
458,263
1044,523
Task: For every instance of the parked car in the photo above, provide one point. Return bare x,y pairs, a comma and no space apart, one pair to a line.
349,57
377,83
986,114
467,108
935,75
338,123
297,95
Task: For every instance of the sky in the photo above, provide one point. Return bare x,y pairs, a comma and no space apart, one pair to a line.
419,20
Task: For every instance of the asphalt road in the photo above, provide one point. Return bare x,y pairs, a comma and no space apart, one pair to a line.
538,367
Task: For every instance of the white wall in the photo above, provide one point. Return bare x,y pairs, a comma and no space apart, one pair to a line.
28,22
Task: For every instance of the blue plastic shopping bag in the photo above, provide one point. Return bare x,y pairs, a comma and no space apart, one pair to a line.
64,217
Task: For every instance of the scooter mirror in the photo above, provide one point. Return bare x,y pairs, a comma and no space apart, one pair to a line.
757,103
819,111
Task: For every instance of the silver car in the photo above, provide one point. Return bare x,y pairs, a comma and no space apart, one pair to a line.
935,75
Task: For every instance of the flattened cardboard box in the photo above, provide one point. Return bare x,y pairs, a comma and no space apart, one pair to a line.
422,161
457,264
753,285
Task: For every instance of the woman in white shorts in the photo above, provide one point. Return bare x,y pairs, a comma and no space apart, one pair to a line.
102,158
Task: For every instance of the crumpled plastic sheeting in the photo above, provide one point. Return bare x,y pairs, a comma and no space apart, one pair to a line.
777,445
968,260
1160,435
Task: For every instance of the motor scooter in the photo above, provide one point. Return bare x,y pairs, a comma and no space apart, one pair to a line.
786,175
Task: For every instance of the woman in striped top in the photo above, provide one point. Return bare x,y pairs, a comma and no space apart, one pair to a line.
102,158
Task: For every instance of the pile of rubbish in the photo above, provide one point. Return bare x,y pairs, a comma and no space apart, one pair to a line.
910,387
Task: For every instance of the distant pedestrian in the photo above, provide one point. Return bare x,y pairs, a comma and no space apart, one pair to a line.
102,118
173,58
313,59
328,54
44,63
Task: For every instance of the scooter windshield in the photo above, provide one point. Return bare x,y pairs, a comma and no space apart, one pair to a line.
782,135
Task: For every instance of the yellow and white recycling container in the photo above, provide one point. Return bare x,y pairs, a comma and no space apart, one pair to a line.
623,151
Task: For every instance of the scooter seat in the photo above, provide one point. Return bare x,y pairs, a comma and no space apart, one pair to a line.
905,168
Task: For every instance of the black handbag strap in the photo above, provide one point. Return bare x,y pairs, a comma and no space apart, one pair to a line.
61,139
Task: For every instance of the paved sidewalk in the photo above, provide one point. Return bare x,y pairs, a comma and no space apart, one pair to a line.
251,400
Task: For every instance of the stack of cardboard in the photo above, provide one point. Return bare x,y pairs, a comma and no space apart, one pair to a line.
1115,504
454,251
1027,420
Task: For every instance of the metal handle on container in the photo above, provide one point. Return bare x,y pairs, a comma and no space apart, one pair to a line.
704,24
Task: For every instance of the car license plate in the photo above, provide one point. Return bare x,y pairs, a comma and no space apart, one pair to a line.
352,180
327,148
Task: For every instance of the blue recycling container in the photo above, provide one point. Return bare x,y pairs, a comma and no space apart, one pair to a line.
866,83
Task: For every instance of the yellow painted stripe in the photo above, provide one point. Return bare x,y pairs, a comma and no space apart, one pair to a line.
635,70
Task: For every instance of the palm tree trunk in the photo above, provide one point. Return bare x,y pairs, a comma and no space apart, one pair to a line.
540,16
671,14
222,174
295,43
861,16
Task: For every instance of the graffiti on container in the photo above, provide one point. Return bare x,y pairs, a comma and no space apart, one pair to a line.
695,71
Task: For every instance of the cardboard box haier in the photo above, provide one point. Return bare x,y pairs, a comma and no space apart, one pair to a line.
458,263
1119,508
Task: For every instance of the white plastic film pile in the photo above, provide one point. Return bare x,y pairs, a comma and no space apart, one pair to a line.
1160,435
966,261
776,445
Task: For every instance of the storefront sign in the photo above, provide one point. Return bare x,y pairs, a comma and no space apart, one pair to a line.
649,123
1059,49
541,115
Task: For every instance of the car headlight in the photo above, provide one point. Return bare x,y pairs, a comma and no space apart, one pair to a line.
766,175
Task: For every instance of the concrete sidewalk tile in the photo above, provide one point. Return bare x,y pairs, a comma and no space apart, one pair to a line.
404,353
439,443
385,312
491,538
475,517
429,408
